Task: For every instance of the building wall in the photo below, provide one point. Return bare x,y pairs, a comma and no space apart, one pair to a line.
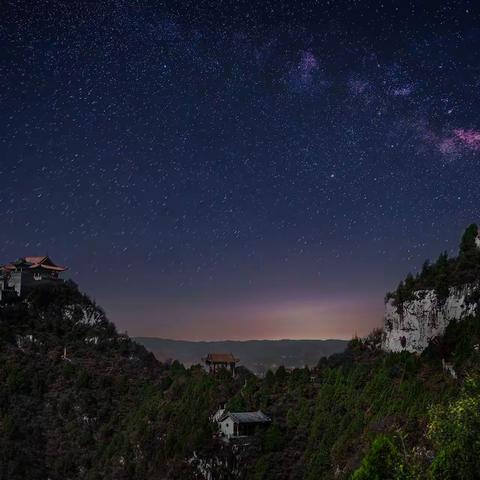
227,427
16,281
23,281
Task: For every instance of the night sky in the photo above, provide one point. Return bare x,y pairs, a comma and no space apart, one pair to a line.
212,170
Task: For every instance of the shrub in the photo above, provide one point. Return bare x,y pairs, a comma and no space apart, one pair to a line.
455,432
383,462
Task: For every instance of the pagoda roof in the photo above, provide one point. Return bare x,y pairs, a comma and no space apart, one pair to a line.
220,358
36,259
33,262
44,262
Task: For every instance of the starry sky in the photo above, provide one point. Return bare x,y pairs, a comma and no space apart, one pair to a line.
238,169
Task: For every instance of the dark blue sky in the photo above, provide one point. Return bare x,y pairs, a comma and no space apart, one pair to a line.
233,170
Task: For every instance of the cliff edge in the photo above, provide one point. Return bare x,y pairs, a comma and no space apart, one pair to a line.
422,306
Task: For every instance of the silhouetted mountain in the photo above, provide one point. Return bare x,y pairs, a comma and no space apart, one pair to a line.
257,355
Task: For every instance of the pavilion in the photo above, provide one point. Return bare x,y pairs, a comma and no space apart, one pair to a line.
218,361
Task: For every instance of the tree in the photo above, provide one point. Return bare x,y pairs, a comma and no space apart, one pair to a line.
455,433
273,439
383,462
281,374
442,280
468,244
468,265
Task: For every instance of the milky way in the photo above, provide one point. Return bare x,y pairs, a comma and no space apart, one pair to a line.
214,170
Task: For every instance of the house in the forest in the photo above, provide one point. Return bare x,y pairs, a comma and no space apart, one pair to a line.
241,425
218,361
19,277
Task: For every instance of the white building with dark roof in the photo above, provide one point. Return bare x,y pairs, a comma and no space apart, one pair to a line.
234,425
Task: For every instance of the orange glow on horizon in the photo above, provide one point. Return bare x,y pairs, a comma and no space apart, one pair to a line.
274,320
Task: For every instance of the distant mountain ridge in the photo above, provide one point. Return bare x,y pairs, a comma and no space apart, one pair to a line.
257,355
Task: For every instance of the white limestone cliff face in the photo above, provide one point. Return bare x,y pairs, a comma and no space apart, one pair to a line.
420,320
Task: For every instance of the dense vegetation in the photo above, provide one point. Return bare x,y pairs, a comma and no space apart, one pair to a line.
59,416
105,410
444,273
108,410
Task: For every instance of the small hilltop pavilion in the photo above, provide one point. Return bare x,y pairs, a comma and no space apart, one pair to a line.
19,277
218,361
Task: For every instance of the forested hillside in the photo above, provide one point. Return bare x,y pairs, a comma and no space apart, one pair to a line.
109,410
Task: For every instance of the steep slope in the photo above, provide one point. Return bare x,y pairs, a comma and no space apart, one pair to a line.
55,409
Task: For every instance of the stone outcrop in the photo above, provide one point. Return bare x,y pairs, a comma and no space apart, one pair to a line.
411,325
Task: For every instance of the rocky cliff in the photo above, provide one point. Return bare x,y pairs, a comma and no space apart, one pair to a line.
411,325
422,306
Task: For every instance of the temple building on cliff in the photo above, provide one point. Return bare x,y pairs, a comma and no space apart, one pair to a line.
19,277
